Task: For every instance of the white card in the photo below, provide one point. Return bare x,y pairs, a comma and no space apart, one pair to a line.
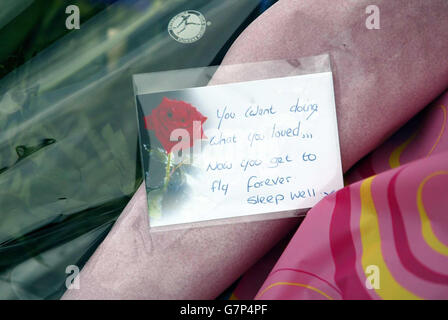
271,146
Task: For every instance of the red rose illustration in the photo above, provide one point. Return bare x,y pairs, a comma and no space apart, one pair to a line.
172,114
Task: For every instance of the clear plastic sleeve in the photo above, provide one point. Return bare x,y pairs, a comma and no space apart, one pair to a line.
182,188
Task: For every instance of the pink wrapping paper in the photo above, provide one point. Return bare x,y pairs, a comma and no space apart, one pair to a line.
376,91
394,219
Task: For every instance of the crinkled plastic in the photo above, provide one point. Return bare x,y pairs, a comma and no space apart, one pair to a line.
69,160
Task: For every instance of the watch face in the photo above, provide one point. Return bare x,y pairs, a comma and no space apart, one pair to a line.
187,26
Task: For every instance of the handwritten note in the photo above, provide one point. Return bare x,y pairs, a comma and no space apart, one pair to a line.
271,146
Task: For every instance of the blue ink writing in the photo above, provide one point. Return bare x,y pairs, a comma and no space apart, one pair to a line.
304,108
222,140
252,137
302,194
309,156
219,166
275,161
266,199
250,163
225,115
254,182
217,185
288,132
258,111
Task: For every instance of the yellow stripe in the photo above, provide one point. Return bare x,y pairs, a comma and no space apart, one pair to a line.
441,131
371,247
394,159
295,284
427,231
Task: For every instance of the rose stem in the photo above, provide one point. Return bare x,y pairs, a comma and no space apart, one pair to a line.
167,172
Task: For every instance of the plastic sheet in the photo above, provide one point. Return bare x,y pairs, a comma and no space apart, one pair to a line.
68,144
